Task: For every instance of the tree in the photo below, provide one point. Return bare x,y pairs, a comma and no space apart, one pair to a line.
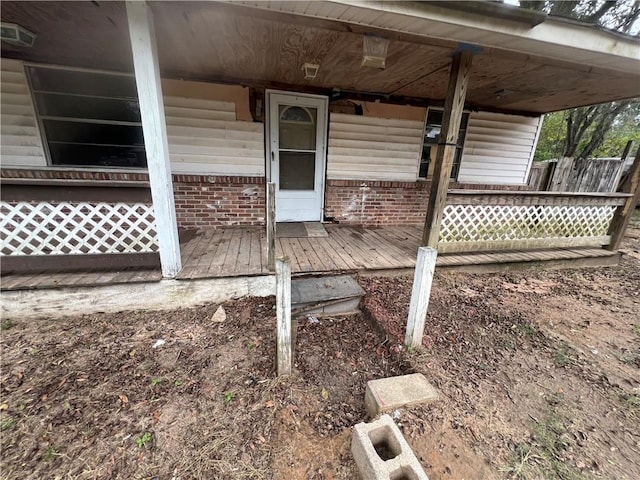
621,15
582,132
597,131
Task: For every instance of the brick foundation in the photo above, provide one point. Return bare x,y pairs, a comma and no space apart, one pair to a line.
209,201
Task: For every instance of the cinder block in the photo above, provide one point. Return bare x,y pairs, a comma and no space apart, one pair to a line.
387,394
382,453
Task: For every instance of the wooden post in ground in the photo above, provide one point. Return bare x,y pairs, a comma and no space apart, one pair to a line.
623,213
271,226
154,129
447,141
284,348
422,280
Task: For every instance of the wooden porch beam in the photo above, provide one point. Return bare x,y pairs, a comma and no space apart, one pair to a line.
451,117
154,128
623,213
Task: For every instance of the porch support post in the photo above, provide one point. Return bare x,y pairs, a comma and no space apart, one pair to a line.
147,72
623,213
451,117
428,253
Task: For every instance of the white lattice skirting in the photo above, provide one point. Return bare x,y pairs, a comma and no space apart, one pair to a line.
76,228
486,223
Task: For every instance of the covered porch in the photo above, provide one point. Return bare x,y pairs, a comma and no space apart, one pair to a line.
202,147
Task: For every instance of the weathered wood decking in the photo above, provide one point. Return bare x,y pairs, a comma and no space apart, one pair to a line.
241,251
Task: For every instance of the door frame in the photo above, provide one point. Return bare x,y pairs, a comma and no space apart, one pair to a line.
321,139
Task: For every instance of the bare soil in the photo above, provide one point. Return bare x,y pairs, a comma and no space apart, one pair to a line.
539,373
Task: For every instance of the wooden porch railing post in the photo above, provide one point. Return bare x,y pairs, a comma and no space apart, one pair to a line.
623,213
284,349
271,226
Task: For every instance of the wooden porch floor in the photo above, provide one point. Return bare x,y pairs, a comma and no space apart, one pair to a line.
240,251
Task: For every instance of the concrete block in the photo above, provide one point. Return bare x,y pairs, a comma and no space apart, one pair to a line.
390,393
382,453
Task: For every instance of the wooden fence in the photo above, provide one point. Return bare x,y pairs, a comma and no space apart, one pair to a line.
490,220
577,175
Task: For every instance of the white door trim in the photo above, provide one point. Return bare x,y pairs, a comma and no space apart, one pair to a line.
320,102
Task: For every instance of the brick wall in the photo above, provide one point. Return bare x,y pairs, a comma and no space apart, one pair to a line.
201,200
386,203
206,201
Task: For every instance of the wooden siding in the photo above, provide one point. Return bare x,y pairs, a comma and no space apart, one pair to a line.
369,148
20,137
498,148
205,138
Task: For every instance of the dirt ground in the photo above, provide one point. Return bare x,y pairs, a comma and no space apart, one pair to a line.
539,374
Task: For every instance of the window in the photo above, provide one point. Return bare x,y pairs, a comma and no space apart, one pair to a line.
430,142
88,119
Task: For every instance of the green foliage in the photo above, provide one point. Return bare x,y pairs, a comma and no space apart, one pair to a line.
51,453
228,396
589,132
552,135
143,440
6,324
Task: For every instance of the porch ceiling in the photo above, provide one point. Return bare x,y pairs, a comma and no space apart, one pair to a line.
219,42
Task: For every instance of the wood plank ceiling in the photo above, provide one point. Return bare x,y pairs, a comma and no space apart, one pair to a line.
220,42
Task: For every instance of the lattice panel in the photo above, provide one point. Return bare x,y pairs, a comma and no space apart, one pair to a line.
481,223
76,228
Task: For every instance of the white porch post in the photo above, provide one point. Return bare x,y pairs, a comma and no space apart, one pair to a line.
147,71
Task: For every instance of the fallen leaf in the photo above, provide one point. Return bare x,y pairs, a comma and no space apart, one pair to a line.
270,404
4,406
325,393
124,399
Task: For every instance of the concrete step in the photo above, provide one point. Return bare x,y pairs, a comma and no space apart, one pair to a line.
325,295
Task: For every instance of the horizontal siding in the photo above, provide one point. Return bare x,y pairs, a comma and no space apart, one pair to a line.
498,148
368,148
20,143
205,138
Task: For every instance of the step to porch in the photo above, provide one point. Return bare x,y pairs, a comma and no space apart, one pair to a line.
328,295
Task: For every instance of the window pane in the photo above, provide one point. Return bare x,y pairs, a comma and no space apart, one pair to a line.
295,114
431,133
95,155
298,135
94,133
297,170
82,83
55,105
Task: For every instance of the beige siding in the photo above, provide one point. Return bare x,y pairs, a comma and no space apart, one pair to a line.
20,138
205,138
368,148
498,148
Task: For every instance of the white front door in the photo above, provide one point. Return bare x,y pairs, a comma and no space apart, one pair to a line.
297,140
